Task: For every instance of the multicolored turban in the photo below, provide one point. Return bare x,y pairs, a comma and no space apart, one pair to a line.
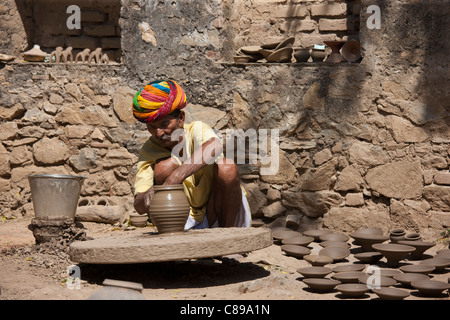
157,99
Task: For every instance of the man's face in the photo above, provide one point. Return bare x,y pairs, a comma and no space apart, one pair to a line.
162,129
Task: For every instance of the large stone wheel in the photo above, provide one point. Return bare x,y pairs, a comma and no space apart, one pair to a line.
148,247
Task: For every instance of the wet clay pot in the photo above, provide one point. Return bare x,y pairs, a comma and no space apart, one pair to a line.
367,240
321,284
391,293
169,208
407,278
421,247
393,252
430,288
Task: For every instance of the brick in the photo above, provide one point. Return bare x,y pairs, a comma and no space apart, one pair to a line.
333,24
299,26
92,16
82,42
283,11
102,30
111,43
331,10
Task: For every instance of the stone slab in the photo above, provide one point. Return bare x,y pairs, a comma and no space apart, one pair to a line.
150,247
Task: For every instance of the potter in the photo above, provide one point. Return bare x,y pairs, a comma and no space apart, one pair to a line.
211,182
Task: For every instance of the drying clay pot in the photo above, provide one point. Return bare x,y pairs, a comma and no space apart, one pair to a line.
318,260
169,208
397,235
314,272
406,278
334,244
369,230
321,284
381,281
295,251
367,240
430,287
334,237
412,236
138,220
353,290
349,267
391,293
284,234
298,240
316,233
252,50
351,51
348,276
302,55
438,263
420,268
281,55
368,257
318,55
337,253
393,252
265,52
35,54
389,272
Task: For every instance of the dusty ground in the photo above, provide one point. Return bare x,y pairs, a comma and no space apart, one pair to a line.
30,272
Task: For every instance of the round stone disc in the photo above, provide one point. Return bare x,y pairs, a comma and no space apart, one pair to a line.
150,247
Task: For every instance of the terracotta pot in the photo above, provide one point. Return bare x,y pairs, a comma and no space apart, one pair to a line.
302,55
393,252
169,208
335,56
351,51
318,55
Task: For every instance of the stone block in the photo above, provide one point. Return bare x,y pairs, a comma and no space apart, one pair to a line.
349,179
111,43
442,178
438,197
312,204
298,25
335,9
287,11
354,199
333,24
50,151
8,130
274,210
322,157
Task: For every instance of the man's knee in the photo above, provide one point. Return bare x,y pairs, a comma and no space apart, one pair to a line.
163,169
228,173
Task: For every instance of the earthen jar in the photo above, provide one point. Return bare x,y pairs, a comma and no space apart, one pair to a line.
169,208
397,235
318,55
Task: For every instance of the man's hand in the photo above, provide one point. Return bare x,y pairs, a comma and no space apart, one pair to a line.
142,201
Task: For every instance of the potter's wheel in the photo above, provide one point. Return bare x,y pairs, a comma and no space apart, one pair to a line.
148,247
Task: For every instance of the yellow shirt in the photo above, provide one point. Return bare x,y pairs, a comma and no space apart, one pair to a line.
197,187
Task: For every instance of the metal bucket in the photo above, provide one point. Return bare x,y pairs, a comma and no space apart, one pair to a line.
55,195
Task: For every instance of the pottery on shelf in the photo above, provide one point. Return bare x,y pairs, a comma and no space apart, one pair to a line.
376,281
321,284
318,260
298,240
349,267
169,208
348,276
250,49
391,293
317,55
419,268
393,252
301,54
287,43
334,237
314,272
366,240
35,54
281,55
353,290
438,263
370,257
334,56
406,278
421,247
351,51
430,287
316,233
265,52
295,251
337,253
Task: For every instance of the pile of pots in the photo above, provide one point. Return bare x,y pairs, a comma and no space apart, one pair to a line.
392,266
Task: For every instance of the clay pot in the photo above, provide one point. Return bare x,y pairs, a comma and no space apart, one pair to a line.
335,56
321,284
420,268
391,293
367,240
349,268
348,276
334,244
393,252
317,260
430,288
118,290
318,55
242,59
397,235
438,263
35,54
169,208
295,251
265,52
368,257
413,236
381,281
252,50
287,43
298,240
389,272
316,233
353,290
334,237
406,278
337,253
138,220
281,55
302,55
284,234
421,247
351,51
314,272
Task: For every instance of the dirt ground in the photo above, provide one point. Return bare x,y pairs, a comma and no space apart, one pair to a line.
32,272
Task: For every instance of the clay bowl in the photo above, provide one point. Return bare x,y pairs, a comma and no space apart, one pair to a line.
252,50
349,268
351,51
316,233
321,284
370,230
406,278
393,252
285,43
348,277
430,287
370,257
391,293
421,247
242,59
374,281
318,260
281,234
334,237
298,240
295,251
439,264
353,290
412,236
367,240
281,55
419,268
169,208
265,52
138,220
336,253
314,272
330,243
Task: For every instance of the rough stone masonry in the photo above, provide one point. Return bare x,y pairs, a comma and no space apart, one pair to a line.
361,144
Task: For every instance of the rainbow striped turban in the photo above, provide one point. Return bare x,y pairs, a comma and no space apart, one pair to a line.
157,99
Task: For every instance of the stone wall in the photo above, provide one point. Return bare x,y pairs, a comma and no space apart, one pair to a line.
360,144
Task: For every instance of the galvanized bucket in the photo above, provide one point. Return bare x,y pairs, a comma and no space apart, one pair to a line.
55,195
